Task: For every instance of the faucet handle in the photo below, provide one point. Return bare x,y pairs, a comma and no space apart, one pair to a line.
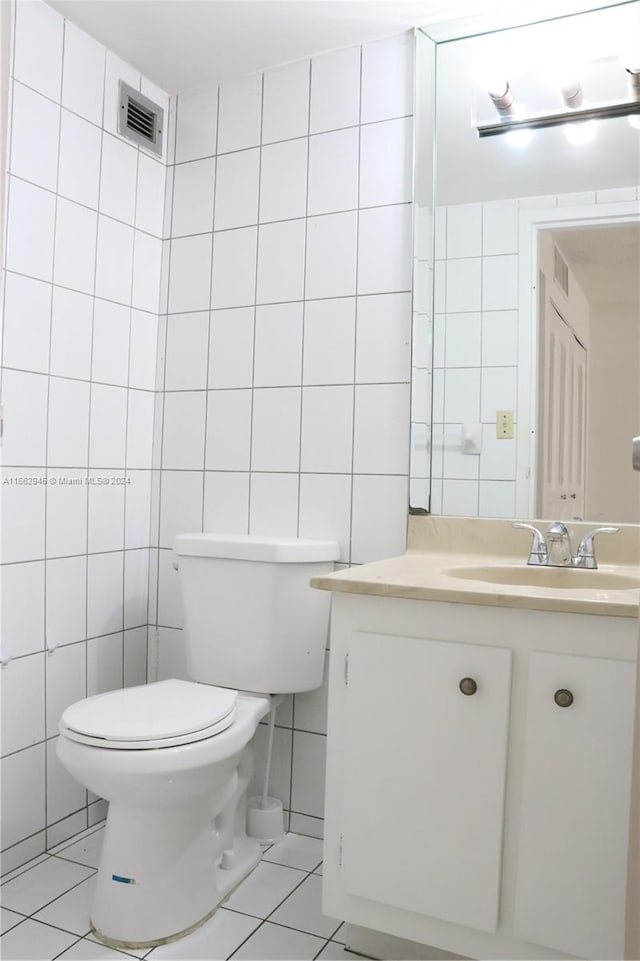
585,556
538,553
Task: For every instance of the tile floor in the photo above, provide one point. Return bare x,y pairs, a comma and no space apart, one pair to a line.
274,914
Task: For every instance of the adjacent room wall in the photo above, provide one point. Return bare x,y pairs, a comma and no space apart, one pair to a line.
83,256
287,362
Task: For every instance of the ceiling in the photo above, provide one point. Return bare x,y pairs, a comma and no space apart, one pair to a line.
191,45
605,261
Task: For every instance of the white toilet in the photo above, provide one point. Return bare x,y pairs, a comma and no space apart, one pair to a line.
173,757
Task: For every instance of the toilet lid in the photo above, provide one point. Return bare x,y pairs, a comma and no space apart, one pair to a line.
152,712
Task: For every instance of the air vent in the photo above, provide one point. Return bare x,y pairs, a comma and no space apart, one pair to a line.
560,271
140,119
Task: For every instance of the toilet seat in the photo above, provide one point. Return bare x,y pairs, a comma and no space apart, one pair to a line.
151,716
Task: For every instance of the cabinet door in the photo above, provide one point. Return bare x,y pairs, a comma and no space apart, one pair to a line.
572,852
424,771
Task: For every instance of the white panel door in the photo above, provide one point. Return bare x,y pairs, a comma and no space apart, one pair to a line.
424,774
572,852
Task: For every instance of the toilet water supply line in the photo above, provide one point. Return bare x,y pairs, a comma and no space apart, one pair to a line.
265,788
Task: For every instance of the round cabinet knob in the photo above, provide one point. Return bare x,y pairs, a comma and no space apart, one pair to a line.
563,697
468,686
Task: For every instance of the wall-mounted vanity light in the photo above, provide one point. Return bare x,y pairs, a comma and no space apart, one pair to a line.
572,97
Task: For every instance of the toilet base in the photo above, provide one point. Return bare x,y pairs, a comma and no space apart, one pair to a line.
247,854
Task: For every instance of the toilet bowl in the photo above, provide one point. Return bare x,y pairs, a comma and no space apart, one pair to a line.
172,758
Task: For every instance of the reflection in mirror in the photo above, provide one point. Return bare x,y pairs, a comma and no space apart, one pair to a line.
516,217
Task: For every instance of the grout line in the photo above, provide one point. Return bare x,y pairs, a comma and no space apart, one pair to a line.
75,290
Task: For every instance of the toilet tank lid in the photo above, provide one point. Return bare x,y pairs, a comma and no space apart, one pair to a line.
254,547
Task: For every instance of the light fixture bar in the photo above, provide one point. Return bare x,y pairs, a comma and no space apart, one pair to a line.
605,112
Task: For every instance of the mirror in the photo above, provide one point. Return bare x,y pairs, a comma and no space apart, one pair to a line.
536,317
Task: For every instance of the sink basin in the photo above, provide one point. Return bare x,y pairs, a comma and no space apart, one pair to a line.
562,578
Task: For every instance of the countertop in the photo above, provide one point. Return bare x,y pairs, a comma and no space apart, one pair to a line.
422,573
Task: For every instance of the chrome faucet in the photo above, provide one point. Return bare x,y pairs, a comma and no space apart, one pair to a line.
553,548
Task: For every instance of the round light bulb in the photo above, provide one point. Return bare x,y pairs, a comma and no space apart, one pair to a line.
634,120
519,138
581,132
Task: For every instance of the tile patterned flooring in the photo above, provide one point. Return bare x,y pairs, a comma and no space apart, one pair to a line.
274,914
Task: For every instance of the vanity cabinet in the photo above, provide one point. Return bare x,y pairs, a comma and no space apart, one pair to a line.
490,824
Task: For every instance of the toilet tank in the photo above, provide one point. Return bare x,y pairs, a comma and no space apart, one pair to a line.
251,621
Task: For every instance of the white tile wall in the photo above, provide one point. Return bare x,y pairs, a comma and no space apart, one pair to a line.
80,200
311,170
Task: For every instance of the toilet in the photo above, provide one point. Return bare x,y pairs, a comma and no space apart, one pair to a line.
173,757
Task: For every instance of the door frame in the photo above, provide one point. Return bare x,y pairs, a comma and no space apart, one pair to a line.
530,223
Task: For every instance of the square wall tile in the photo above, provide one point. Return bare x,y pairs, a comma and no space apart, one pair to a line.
234,268
68,430
498,457
106,511
34,137
331,256
38,48
500,283
30,230
25,406
119,171
169,598
329,341
387,78
66,671
135,656
231,347
67,513
278,345
22,612
240,105
381,435
79,166
71,331
141,411
275,442
142,350
462,339
462,395
83,74
500,338
187,351
228,443
66,601
75,252
105,664
499,391
114,266
183,434
136,590
274,504
190,273
383,345
107,426
283,180
27,318
335,90
308,773
150,196
193,190
386,163
327,430
147,269
23,795
64,793
497,498
460,498
285,111
104,593
384,250
23,516
236,201
500,227
386,499
226,502
281,252
455,463
110,363
464,231
196,126
137,509
325,509
180,504
464,285
333,171
22,683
